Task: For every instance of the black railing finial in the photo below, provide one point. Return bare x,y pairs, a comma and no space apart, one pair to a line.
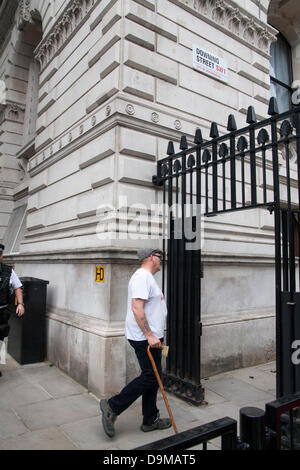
214,133
157,181
206,157
273,107
231,126
183,143
198,137
251,116
171,149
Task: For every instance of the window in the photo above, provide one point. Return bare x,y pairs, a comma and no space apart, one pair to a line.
281,73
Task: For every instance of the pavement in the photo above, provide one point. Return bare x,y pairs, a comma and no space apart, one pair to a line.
42,408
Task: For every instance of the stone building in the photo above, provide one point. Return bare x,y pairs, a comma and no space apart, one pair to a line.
91,91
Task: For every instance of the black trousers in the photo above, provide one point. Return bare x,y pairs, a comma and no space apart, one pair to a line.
4,326
145,385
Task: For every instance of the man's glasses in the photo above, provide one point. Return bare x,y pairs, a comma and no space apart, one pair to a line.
158,256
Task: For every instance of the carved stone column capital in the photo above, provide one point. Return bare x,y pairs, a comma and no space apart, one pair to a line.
12,111
24,15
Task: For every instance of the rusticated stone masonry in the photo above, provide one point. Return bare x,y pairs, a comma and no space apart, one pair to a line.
222,12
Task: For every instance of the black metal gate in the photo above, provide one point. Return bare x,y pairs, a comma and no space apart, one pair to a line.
257,166
184,326
289,309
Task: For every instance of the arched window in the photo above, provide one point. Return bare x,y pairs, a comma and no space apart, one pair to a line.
281,72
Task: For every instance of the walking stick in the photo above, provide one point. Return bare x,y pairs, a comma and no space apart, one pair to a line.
162,389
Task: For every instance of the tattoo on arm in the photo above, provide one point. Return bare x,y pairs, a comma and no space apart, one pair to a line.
145,324
140,316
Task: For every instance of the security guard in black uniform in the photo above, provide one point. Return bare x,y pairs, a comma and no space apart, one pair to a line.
8,280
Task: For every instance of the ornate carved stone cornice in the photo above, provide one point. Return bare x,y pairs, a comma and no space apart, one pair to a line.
74,14
234,20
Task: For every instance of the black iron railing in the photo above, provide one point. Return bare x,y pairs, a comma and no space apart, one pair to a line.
239,170
276,428
226,428
257,166
283,420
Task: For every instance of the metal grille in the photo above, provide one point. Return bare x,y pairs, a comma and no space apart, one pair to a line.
257,166
240,170
283,422
226,428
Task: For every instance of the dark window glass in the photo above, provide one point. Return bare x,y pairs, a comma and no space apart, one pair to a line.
281,72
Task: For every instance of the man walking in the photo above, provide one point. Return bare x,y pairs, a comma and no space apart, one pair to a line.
145,320
8,278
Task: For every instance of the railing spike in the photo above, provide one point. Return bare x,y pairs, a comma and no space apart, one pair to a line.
157,180
183,143
231,126
198,137
273,107
214,130
171,149
251,116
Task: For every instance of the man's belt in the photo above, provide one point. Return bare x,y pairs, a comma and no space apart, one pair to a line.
3,306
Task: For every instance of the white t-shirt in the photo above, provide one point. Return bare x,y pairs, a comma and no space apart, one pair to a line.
142,285
14,280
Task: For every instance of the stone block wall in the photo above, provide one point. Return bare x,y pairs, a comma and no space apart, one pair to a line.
116,83
114,88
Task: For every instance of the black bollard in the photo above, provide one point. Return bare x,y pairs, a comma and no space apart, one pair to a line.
252,427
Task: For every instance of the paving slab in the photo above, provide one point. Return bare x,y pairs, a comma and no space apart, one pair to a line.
40,372
268,367
43,408
212,412
55,412
236,390
87,433
55,382
259,378
11,364
46,439
15,395
12,378
62,387
183,412
211,397
10,424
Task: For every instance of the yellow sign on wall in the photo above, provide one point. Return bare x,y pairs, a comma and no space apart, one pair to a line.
99,274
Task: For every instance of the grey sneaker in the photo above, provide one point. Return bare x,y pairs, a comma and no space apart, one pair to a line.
108,418
160,423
